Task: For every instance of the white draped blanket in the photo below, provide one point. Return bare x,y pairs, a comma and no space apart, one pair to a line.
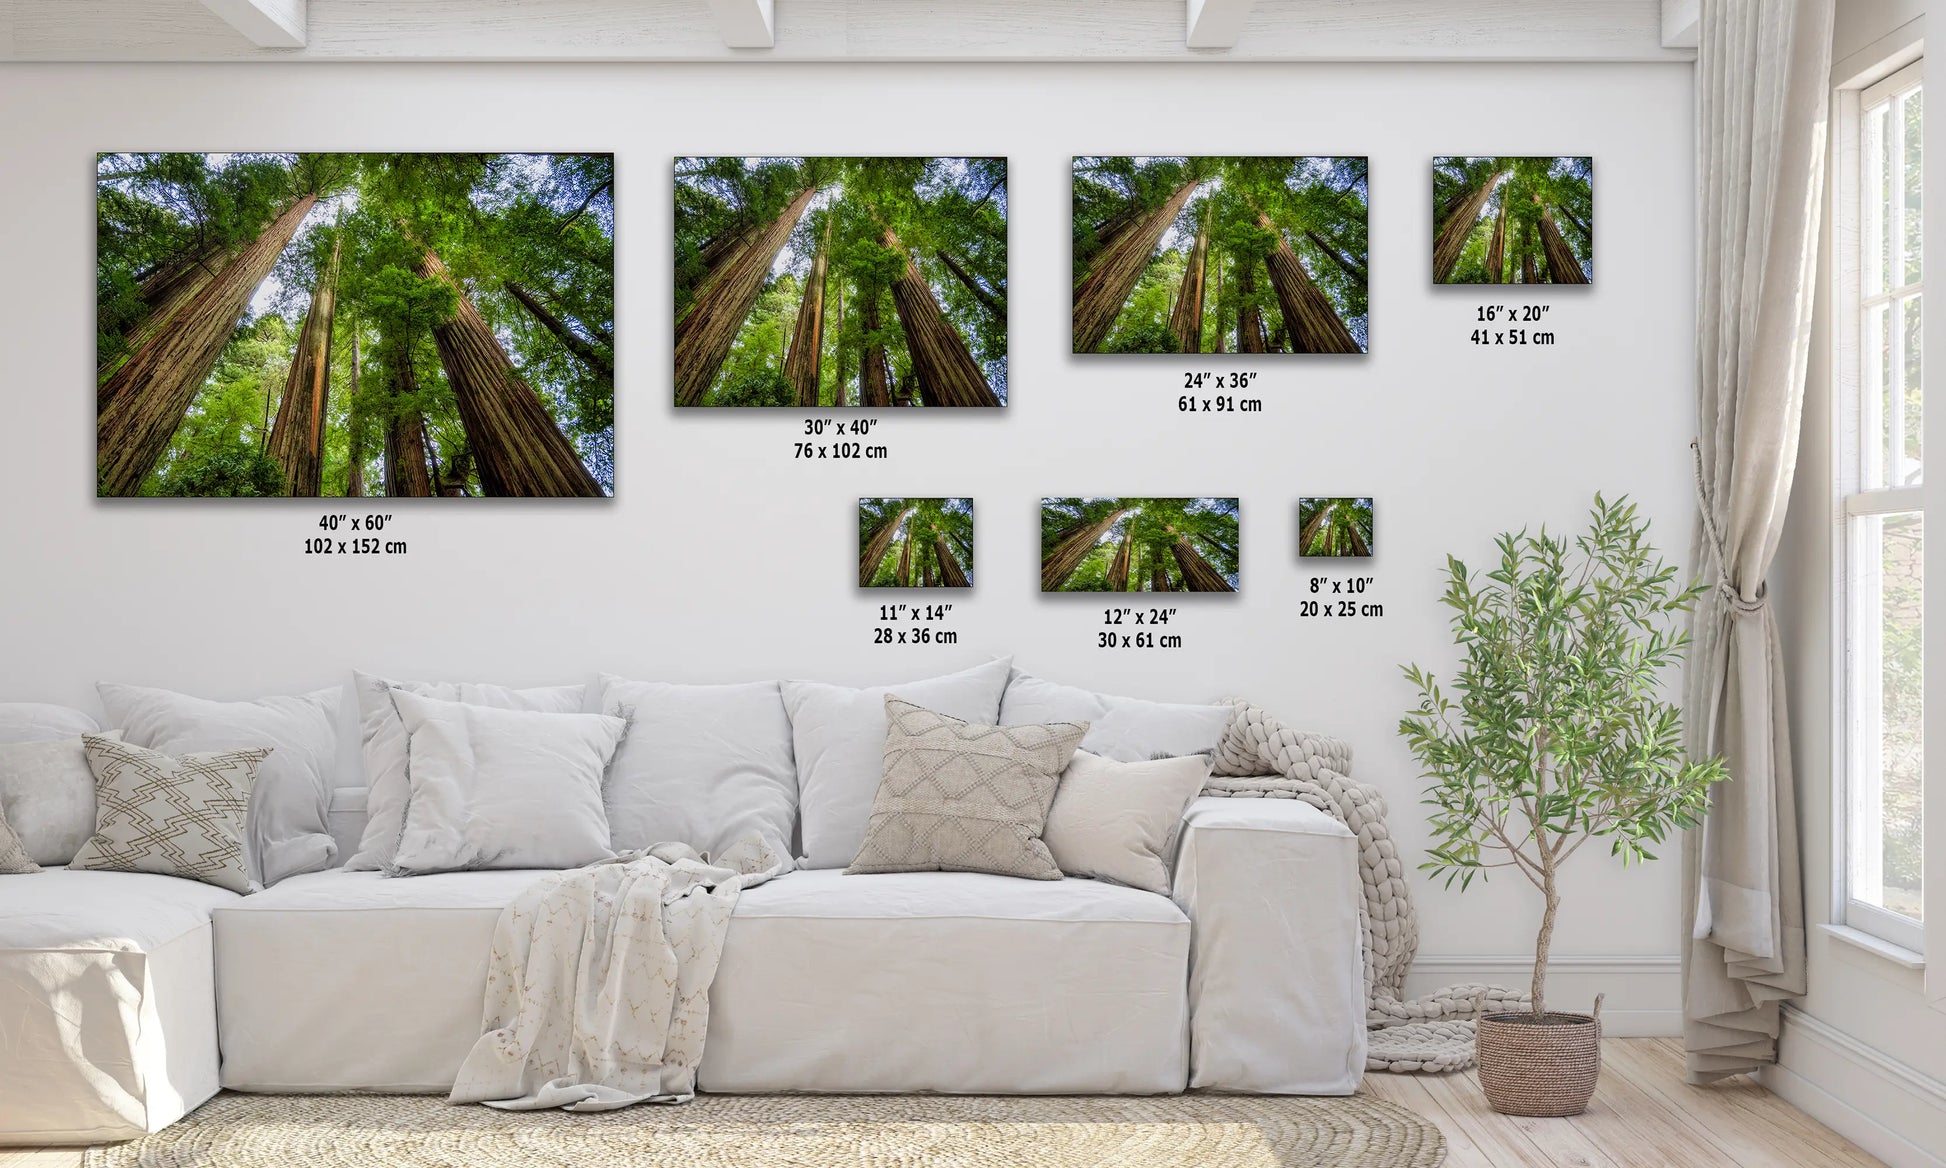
597,991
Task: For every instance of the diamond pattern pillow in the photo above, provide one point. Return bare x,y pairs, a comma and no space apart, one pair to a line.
174,816
14,860
964,797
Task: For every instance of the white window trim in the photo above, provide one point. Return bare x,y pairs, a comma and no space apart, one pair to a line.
1852,501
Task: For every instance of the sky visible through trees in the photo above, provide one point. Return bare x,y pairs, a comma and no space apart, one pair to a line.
841,282
1513,220
1220,255
1139,545
915,543
1334,527
355,324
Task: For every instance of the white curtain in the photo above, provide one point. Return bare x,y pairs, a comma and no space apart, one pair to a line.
1762,86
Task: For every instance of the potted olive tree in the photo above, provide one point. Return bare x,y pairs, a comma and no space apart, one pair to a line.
1555,731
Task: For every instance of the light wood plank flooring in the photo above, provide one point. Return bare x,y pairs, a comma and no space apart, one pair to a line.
1643,1116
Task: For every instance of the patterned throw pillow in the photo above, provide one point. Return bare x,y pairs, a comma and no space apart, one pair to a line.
174,816
962,797
14,860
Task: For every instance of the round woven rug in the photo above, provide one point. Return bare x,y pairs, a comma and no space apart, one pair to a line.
793,1131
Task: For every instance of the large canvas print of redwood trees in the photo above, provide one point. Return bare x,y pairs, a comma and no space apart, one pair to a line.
819,282
915,543
355,324
1139,545
1220,255
1498,220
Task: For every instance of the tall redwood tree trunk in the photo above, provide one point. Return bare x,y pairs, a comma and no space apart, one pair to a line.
706,332
1186,321
878,546
951,575
804,367
1072,547
1099,297
947,372
354,436
1355,271
874,371
1313,323
1118,571
1461,213
1198,575
1497,247
297,438
840,391
1159,579
987,300
1250,321
1530,272
905,562
164,294
597,362
519,449
1562,267
407,474
139,406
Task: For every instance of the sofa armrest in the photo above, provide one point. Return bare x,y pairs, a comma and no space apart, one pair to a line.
1276,962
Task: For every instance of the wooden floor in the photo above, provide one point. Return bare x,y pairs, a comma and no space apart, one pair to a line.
1643,1116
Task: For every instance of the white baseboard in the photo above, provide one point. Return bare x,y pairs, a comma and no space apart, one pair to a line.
1884,1106
1643,994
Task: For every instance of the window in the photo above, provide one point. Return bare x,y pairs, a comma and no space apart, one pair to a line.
1880,806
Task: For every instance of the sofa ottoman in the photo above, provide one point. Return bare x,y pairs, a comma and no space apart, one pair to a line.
107,1004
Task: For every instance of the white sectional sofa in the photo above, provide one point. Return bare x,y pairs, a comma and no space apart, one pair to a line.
127,1000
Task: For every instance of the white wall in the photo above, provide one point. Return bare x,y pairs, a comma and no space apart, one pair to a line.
1867,1053
724,559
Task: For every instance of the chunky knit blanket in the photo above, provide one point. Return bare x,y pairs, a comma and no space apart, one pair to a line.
1428,1034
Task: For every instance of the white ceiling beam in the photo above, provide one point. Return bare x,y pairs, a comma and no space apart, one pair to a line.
745,24
1216,24
270,24
1681,20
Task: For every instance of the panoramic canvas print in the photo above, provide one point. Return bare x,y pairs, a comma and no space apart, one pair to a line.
1220,255
915,543
1513,220
841,282
355,324
1334,527
1139,545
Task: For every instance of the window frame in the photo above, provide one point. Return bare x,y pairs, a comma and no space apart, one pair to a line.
1853,628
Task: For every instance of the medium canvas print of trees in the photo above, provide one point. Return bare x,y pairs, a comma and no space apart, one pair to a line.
1513,220
1139,545
915,543
818,282
1220,255
355,324
1334,527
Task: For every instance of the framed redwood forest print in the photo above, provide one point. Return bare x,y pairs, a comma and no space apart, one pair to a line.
1502,220
1139,545
1334,527
1220,255
841,282
405,325
915,543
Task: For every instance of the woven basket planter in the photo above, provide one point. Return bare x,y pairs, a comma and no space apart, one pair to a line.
1544,1068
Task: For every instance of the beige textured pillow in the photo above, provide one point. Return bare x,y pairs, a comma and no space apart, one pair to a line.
963,797
173,816
1115,820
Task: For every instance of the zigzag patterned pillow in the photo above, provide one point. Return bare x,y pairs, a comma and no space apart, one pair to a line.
962,797
173,816
14,860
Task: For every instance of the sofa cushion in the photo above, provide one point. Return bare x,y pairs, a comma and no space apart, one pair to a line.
47,795
838,736
41,722
107,1004
288,805
1122,729
703,765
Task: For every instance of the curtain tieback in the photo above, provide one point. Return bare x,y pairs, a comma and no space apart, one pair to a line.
1719,556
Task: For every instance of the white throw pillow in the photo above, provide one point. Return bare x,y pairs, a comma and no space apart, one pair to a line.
287,832
47,796
496,788
40,722
703,765
181,816
1123,729
383,737
1117,820
838,736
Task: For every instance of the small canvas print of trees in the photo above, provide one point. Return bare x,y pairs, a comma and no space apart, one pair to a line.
355,324
915,543
819,282
1513,220
1139,545
1220,255
1334,527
